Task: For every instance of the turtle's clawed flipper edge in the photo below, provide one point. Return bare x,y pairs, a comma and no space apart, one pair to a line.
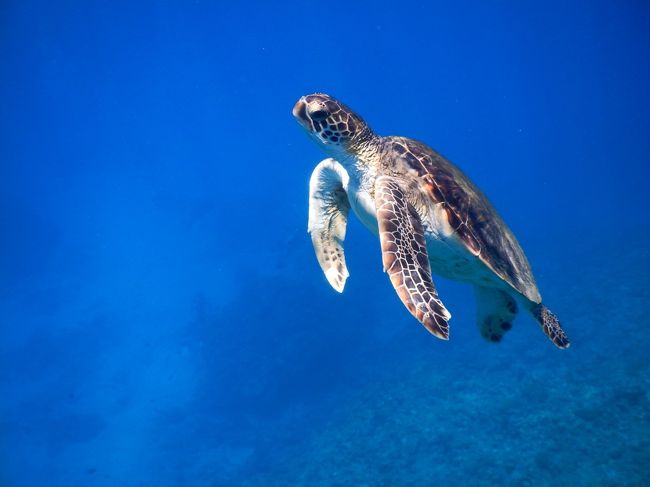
550,325
405,258
328,218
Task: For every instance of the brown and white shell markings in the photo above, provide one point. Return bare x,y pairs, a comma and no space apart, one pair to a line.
429,218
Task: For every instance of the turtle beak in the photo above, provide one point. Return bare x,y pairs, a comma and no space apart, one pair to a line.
300,111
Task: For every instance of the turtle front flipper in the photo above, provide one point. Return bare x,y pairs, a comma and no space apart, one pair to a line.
405,258
328,218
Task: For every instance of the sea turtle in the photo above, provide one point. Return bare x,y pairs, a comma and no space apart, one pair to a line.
428,215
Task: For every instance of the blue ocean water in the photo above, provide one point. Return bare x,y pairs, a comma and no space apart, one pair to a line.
163,320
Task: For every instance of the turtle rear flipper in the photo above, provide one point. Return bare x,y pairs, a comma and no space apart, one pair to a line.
550,325
495,312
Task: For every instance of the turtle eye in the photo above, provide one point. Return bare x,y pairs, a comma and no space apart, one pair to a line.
318,115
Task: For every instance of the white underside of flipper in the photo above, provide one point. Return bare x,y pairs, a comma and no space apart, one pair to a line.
333,191
328,217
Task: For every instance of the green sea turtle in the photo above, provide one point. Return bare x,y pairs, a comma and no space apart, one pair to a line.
428,215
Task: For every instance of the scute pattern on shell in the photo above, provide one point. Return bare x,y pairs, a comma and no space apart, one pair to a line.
469,212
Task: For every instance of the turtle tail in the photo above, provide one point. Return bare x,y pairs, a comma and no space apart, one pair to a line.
550,325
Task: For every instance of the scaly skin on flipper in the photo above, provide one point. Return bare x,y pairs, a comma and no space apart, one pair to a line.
550,325
405,258
328,217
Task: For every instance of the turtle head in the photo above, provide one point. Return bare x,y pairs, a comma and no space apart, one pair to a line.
331,123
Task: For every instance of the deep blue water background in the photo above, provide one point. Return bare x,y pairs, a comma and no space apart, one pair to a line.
164,321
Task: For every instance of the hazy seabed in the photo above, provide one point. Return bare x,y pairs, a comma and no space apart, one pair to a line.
349,391
309,387
519,412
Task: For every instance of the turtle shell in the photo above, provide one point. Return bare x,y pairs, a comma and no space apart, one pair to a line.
470,214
